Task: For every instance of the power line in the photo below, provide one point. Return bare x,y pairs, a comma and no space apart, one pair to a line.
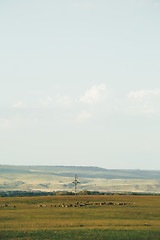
75,184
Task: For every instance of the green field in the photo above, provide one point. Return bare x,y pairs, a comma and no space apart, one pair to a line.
23,218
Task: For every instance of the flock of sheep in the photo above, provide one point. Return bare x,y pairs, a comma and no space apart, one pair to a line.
81,204
77,204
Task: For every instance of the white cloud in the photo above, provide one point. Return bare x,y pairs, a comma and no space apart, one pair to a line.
142,109
48,101
19,105
63,100
4,123
95,94
144,101
84,115
149,109
143,93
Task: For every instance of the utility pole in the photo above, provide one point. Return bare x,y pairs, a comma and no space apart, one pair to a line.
75,184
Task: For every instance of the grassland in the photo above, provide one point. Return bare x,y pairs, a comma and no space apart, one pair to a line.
138,219
58,178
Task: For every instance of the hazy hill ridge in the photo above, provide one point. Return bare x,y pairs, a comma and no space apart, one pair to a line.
51,178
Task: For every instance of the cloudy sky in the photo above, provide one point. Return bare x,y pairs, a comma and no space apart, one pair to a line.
80,83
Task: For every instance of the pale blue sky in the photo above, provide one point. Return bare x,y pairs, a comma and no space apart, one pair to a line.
80,83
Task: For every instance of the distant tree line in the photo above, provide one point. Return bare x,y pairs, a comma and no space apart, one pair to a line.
57,193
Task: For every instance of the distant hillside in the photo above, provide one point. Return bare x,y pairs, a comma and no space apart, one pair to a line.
53,178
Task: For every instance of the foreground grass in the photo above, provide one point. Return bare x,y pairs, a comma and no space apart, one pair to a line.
139,219
94,234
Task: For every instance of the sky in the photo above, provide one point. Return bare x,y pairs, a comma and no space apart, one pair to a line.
80,83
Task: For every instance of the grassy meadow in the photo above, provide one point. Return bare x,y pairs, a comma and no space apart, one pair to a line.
23,218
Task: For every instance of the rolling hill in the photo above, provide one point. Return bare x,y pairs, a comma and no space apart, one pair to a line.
58,178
